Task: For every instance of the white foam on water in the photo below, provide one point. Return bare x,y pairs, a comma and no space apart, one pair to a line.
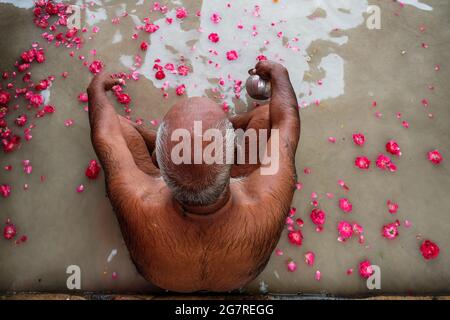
417,4
117,37
171,42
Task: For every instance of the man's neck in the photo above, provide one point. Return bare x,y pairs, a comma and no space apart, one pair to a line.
200,210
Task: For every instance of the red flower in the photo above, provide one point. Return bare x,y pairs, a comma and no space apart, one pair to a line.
310,258
4,98
435,156
393,148
390,231
150,27
5,190
36,100
261,57
21,120
384,162
295,237
144,46
83,97
93,170
96,66
181,13
49,109
362,162
213,37
318,217
345,205
345,230
123,98
216,18
429,249
232,55
42,85
160,75
359,139
9,232
180,90
40,56
392,207
365,269
291,266
183,70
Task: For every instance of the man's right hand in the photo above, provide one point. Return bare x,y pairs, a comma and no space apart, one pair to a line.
268,70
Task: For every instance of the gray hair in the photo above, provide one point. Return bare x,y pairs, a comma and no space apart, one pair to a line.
195,192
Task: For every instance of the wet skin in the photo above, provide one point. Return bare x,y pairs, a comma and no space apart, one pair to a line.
183,248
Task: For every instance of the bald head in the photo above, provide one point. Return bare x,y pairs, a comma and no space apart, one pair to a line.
183,135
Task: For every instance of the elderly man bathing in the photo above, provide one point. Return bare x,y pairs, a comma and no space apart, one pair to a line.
194,226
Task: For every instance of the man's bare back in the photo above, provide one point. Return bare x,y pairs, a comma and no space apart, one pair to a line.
187,246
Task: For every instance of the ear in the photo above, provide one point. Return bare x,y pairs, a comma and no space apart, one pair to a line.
154,160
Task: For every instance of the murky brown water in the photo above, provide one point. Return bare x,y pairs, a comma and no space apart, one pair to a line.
356,65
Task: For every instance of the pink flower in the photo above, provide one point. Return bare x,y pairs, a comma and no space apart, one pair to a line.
213,37
362,163
180,90
345,205
318,275
80,188
151,28
291,266
181,13
261,57
183,70
216,18
429,249
295,237
435,157
5,190
83,97
96,66
9,232
390,231
232,55
393,148
359,139
345,230
365,269
318,217
392,207
310,258
384,162
93,170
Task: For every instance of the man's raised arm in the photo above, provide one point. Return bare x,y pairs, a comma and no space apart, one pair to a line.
124,180
276,179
